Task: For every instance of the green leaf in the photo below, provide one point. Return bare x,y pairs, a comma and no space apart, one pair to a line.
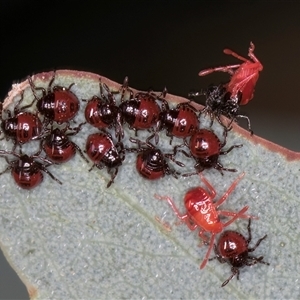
81,240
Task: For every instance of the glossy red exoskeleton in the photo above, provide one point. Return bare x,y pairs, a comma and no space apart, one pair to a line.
57,103
101,150
151,161
243,80
202,212
180,122
102,112
58,147
27,170
205,147
21,126
233,248
141,111
225,99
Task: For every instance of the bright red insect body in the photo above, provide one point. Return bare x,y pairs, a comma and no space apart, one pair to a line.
233,248
102,151
202,212
151,162
58,146
26,170
102,112
21,126
242,83
141,111
57,104
206,148
180,122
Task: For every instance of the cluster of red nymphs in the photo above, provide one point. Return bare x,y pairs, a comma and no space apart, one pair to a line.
150,111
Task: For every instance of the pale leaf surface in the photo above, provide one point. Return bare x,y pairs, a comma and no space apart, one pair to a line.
84,241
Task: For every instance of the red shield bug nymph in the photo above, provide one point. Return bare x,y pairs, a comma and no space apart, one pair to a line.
22,126
151,161
26,170
101,149
243,79
102,112
233,248
180,122
202,212
219,102
225,99
141,111
57,103
58,146
206,148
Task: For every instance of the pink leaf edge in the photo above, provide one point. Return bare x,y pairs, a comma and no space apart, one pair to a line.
17,88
